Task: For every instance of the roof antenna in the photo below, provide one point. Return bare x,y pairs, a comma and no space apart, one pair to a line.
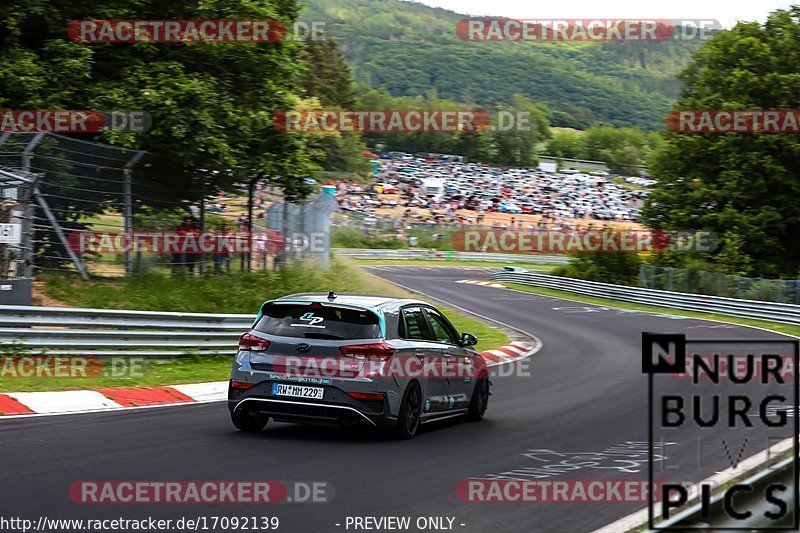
331,296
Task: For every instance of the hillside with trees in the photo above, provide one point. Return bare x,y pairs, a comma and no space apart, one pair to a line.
409,48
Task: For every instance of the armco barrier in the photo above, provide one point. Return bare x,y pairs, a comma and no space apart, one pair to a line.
692,518
68,331
771,311
375,253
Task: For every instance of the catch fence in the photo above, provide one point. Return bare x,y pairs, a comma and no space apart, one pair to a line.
98,209
718,284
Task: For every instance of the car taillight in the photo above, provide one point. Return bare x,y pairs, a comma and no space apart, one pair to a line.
253,343
241,384
379,350
366,396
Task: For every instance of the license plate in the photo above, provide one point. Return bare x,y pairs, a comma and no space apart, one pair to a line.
297,391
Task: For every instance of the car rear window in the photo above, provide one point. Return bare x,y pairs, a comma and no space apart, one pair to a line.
318,321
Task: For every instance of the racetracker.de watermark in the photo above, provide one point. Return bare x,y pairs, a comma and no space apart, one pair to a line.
73,121
433,366
579,241
71,366
565,30
193,31
734,121
214,492
208,242
380,121
175,31
400,121
553,491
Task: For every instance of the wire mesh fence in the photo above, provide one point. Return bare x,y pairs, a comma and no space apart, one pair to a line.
99,209
718,284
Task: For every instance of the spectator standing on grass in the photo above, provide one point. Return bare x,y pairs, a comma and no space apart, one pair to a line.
222,253
178,257
193,257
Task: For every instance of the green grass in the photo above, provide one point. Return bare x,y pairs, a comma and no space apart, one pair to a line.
234,293
788,329
489,338
230,293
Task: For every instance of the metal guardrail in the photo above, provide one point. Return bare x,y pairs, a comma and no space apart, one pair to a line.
102,332
770,311
378,253
692,518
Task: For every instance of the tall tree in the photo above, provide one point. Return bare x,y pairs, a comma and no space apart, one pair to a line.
211,103
517,130
328,79
743,186
327,76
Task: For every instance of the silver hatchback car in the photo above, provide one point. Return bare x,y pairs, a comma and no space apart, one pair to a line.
348,359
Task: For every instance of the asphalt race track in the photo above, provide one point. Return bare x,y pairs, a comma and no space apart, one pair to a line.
585,394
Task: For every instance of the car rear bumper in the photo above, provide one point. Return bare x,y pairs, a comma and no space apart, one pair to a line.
336,409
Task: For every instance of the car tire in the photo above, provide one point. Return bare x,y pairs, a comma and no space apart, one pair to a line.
244,421
480,400
409,418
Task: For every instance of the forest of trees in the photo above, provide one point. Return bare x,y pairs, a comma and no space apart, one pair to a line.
409,48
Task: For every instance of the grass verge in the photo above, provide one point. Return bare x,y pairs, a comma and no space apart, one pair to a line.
235,293
788,329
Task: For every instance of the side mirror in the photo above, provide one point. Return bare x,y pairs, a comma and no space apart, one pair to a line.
468,339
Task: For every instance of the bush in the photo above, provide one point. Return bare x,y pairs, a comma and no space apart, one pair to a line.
619,268
233,293
358,238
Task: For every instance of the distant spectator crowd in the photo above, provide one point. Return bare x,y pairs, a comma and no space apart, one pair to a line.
433,192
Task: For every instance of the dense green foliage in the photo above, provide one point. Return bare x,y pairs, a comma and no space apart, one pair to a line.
211,103
620,268
742,186
409,48
623,149
344,237
496,144
328,80
349,237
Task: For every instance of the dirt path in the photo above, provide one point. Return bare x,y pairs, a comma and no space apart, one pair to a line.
41,298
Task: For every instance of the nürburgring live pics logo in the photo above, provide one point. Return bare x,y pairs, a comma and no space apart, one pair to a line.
720,401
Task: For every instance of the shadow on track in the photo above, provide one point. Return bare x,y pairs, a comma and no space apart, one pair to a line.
354,434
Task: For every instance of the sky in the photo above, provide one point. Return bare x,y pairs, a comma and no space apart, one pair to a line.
727,12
